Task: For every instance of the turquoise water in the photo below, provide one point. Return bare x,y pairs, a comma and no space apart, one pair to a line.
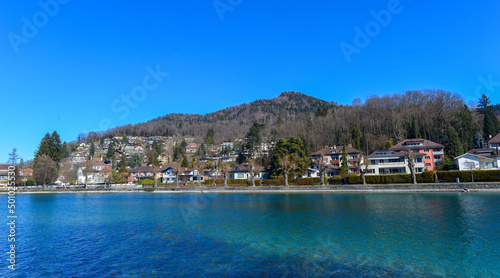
255,235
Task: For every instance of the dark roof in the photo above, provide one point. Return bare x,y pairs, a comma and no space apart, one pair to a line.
426,144
141,169
335,150
4,167
488,152
245,168
495,139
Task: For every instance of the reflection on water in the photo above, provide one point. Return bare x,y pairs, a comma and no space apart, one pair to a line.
273,235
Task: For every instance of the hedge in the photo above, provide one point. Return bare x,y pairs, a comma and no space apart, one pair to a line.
465,176
426,177
233,182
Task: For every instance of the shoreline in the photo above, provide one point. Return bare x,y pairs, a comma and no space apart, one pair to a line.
392,188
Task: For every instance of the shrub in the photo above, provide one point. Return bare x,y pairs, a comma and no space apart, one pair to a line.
307,181
426,177
145,181
466,176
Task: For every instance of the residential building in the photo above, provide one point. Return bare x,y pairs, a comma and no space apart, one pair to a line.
243,171
191,148
433,152
99,173
145,172
479,159
78,157
163,158
25,174
386,162
494,142
185,174
4,175
332,157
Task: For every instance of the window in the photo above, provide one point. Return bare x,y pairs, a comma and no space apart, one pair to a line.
427,157
419,159
426,150
428,165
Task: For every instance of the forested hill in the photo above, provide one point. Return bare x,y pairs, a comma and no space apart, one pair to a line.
232,122
435,115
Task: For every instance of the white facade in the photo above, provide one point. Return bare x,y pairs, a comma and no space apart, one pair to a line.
475,162
391,162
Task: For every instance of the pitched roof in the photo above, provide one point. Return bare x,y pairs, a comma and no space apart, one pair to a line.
192,146
495,139
245,168
4,167
408,143
141,169
335,150
491,153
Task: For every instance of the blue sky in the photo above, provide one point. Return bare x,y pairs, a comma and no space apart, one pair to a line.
76,66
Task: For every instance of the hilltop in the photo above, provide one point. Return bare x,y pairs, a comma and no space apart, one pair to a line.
231,122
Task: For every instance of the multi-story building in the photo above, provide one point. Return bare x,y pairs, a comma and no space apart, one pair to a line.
389,162
433,152
332,157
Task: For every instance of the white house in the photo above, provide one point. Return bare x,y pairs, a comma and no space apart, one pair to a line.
243,171
386,162
185,175
479,159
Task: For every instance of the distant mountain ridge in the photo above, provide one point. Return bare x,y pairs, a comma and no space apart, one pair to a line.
230,122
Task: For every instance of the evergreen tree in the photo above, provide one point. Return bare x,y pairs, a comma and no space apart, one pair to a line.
491,124
177,154
184,144
464,125
344,168
253,137
355,136
290,156
111,151
209,140
185,162
91,150
101,142
56,151
135,161
453,145
478,142
414,130
65,150
124,138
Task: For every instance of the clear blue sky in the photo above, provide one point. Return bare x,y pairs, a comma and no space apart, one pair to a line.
70,72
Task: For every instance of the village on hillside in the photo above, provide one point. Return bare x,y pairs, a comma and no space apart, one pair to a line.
187,160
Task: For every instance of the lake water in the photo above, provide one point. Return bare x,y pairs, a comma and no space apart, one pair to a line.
255,235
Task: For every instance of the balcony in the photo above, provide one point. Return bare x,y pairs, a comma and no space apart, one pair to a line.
437,160
388,163
438,153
